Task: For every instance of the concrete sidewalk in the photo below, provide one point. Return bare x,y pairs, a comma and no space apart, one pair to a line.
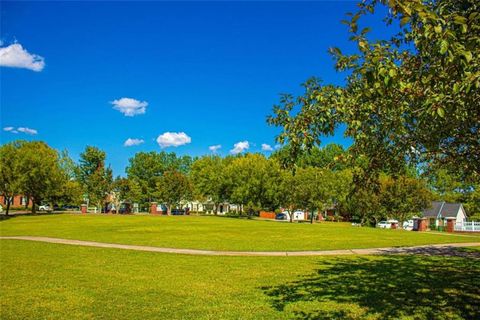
434,249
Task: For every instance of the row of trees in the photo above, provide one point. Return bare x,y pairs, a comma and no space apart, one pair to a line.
322,179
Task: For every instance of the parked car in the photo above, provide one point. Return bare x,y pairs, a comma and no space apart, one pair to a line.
282,216
408,225
297,216
177,212
386,224
44,207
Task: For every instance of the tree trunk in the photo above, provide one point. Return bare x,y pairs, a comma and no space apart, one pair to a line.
34,207
311,217
8,205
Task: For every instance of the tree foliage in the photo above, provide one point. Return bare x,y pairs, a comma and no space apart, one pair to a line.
146,168
413,97
9,171
41,176
95,178
172,188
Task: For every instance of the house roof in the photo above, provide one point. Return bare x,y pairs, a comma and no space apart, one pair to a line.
434,209
442,209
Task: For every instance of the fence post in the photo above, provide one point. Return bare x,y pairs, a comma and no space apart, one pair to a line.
451,224
153,208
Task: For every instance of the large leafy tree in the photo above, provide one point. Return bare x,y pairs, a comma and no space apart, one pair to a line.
172,188
9,171
125,190
413,97
403,197
208,178
41,177
146,168
95,178
255,182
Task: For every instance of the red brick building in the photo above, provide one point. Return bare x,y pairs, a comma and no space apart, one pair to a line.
18,201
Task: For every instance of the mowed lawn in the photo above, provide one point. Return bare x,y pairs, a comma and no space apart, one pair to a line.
52,281
217,233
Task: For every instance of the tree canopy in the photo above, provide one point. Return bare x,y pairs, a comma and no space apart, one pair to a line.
411,98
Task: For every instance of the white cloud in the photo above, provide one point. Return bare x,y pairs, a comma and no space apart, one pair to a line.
173,139
27,130
278,146
240,147
130,107
132,142
8,128
214,148
266,147
15,56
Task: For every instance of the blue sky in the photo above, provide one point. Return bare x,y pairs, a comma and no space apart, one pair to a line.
211,70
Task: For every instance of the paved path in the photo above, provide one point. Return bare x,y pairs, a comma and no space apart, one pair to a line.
426,249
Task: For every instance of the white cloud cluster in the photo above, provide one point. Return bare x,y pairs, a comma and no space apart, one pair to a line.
129,106
20,129
215,148
266,147
240,147
173,139
15,56
132,142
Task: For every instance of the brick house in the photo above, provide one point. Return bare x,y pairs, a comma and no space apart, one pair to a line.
18,201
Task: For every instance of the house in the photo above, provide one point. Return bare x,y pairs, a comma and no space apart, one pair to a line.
18,201
440,210
208,207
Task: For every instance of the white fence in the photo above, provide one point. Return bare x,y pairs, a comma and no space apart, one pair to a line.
468,226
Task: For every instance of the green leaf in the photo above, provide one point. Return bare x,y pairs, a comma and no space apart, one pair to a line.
441,112
467,55
404,21
438,29
392,73
443,46
456,88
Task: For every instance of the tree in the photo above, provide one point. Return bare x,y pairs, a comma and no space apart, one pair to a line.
309,193
403,197
412,97
172,188
125,190
9,172
332,156
94,177
41,176
255,182
146,168
364,204
208,178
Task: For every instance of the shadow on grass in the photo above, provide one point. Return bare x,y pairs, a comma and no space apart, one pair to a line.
386,287
11,215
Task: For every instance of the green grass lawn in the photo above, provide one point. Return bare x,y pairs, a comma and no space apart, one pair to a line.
51,281
217,233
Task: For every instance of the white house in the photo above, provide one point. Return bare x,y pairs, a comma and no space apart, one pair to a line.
209,207
440,210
